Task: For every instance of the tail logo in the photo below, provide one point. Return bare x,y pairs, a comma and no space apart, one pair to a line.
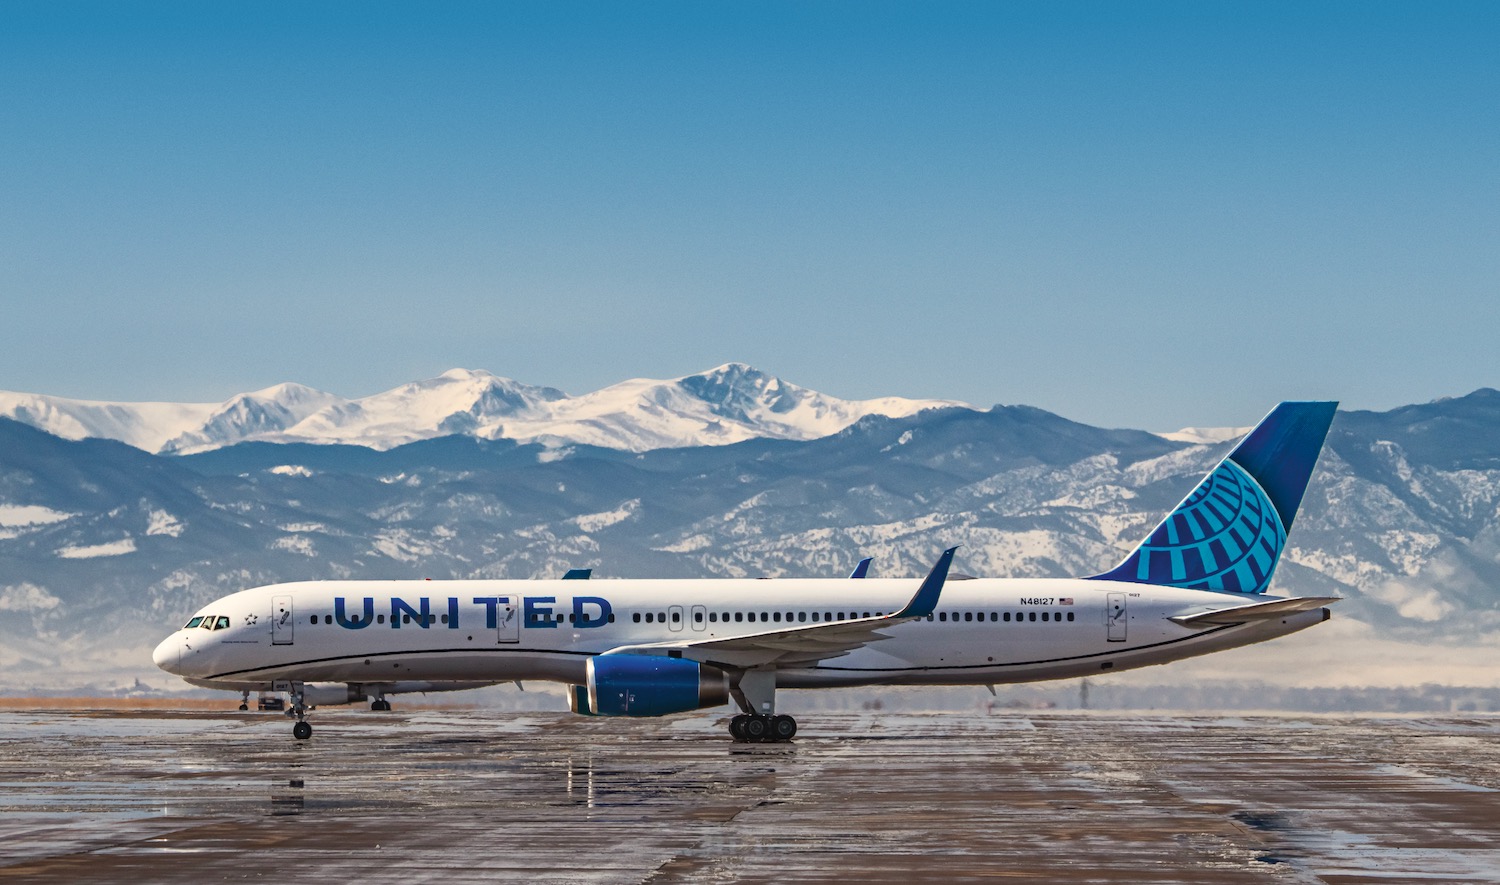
1225,536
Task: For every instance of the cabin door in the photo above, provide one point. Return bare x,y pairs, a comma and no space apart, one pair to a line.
1116,617
281,620
507,620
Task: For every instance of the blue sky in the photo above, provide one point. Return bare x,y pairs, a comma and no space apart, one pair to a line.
1143,214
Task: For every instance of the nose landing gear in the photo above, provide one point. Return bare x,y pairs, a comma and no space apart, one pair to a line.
302,730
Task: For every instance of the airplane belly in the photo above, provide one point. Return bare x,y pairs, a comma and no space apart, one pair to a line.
438,665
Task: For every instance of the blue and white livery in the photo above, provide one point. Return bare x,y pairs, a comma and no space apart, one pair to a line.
1197,584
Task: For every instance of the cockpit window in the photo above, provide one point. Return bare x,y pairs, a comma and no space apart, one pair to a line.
222,623
194,622
208,622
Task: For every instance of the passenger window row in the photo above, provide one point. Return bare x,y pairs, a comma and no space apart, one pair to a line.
380,619
752,617
1003,617
211,623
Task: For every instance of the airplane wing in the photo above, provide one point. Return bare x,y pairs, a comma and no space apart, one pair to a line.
802,644
1258,611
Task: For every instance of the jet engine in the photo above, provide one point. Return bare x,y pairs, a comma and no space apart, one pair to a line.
649,685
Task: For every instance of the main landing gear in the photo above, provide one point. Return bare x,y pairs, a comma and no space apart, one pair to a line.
755,692
380,705
749,728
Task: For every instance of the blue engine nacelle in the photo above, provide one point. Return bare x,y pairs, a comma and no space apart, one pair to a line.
649,685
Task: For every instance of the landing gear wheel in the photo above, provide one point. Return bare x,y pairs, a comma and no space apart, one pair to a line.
755,728
244,707
301,731
381,706
783,728
737,727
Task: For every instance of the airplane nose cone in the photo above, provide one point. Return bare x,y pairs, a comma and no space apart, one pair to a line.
166,653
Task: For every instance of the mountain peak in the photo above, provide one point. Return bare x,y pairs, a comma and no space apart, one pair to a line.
461,374
731,369
726,404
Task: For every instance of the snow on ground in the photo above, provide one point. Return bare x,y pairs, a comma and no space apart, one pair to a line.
144,425
17,515
1205,435
112,548
593,522
300,544
164,523
27,597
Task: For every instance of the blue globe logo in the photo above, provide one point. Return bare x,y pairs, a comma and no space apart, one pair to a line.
1225,536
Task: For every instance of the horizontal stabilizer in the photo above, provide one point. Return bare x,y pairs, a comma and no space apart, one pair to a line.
1259,611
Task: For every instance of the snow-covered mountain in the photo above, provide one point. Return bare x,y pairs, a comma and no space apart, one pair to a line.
728,404
144,425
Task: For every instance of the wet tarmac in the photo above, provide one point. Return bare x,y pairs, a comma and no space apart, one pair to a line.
476,796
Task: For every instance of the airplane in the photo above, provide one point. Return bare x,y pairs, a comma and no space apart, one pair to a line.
1197,584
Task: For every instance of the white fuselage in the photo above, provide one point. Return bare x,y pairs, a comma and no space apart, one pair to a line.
984,631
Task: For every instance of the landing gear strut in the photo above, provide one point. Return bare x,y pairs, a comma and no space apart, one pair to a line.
755,692
750,728
302,730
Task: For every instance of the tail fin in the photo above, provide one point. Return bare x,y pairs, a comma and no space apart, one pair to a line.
1229,533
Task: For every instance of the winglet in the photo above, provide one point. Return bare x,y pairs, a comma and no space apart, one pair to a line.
862,569
926,598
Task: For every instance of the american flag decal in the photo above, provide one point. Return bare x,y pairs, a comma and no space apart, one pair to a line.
1066,600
